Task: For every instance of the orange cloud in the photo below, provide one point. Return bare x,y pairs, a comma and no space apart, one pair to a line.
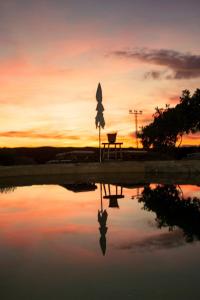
32,134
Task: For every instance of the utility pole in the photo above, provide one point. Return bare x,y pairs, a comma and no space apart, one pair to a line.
136,113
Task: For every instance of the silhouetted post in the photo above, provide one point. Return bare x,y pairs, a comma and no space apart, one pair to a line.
136,113
136,196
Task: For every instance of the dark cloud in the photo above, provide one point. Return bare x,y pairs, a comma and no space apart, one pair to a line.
153,74
178,65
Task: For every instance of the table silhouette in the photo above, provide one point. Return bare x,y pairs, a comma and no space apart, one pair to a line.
117,150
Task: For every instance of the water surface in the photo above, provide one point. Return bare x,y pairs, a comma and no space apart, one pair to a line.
56,242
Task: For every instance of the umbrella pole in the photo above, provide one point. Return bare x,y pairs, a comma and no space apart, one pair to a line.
99,143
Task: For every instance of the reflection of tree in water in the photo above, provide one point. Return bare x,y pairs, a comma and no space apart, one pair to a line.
7,189
173,210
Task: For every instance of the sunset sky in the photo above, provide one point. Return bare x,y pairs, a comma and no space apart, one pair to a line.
54,53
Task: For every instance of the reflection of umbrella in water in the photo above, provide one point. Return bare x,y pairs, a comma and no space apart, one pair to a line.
102,219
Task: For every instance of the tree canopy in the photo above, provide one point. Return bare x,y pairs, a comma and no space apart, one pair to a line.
170,124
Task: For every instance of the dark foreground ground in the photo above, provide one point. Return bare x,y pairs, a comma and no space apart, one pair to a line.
42,155
116,172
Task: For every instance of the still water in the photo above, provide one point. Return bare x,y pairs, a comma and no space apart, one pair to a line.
100,242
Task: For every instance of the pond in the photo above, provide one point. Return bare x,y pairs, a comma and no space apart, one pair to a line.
100,241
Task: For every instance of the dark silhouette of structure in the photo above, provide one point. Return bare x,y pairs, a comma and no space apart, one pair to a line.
136,113
113,197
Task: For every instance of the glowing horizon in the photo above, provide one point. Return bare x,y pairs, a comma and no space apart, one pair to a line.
54,54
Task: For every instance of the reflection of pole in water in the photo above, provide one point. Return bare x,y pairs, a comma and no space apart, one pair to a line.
137,194
101,196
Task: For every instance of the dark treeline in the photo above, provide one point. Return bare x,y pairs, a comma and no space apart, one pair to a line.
170,124
173,210
41,155
7,189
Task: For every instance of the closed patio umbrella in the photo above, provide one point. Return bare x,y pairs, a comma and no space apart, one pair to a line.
99,119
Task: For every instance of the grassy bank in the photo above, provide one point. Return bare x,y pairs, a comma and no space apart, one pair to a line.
170,172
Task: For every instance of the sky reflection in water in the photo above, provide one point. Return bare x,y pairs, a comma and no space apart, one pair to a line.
51,246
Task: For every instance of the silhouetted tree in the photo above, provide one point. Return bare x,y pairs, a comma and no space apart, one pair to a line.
170,124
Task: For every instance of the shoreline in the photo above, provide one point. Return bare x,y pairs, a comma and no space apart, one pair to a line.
130,172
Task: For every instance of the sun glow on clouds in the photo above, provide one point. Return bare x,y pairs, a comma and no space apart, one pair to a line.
52,57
